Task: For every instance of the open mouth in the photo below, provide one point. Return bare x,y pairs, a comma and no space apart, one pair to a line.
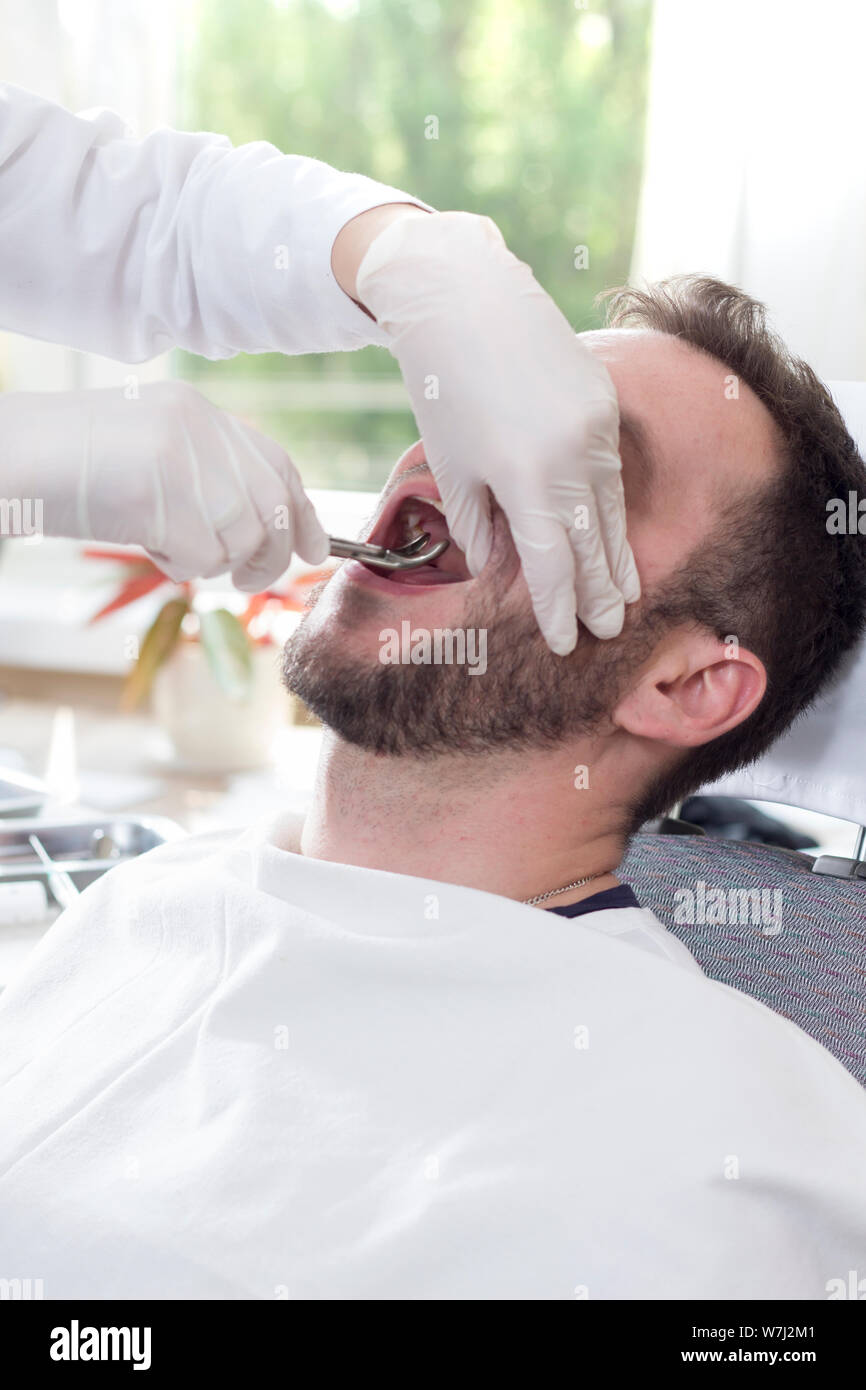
407,517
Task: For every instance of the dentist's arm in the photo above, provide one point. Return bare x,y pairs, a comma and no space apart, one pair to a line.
130,247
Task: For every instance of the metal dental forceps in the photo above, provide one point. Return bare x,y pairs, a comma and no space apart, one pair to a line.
406,557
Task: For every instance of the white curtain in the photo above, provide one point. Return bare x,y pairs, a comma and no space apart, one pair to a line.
755,166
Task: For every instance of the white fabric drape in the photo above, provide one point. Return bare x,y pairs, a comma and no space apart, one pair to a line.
755,166
233,1072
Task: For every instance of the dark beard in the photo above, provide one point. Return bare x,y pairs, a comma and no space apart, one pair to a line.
526,698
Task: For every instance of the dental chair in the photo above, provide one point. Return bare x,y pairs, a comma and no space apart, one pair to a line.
810,965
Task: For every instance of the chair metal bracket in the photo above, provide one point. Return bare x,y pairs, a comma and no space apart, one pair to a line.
832,866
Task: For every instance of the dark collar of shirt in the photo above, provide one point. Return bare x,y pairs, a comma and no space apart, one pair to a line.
620,896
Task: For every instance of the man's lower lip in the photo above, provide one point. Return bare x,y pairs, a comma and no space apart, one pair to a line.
359,573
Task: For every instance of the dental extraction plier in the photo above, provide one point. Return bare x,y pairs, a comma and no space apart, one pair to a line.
405,557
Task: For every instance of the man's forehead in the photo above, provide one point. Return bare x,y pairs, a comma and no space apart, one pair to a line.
641,355
686,409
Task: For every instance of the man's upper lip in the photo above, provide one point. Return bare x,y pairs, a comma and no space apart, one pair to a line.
414,486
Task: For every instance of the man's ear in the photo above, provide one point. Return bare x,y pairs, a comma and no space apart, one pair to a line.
694,689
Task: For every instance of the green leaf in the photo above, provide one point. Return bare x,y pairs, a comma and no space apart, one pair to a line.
227,649
157,645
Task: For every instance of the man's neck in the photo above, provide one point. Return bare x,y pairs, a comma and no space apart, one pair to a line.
514,824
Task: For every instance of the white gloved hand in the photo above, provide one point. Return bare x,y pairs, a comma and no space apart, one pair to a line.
507,397
199,490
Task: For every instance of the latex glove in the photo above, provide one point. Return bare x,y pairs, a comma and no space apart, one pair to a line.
507,397
200,491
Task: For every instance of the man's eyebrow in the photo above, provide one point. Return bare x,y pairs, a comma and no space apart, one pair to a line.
643,462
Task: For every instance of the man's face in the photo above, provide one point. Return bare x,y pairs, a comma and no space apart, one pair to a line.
690,439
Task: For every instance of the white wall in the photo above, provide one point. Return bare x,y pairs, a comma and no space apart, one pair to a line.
756,163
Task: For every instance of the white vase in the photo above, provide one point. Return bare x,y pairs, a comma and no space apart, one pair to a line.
209,731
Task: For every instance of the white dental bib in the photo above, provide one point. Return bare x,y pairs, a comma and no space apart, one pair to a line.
232,1072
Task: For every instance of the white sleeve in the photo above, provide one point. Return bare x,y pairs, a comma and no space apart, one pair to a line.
129,247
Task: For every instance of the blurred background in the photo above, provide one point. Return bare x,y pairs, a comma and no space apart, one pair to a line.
608,139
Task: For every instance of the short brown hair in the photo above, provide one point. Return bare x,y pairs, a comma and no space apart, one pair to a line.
773,575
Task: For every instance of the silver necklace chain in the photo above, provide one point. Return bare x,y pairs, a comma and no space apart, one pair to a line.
555,892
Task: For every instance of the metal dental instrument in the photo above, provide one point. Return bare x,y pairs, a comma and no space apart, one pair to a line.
405,557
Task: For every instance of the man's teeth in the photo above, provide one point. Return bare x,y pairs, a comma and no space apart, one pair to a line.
429,502
412,516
